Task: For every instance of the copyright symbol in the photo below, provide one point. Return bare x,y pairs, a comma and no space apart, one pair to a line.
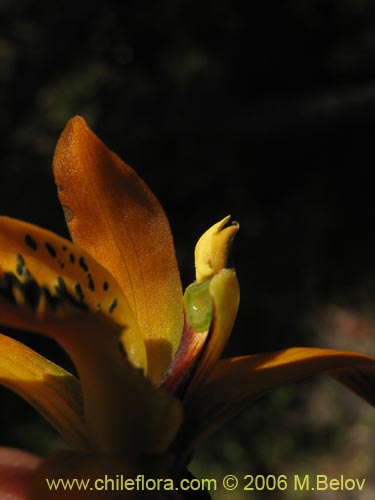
230,482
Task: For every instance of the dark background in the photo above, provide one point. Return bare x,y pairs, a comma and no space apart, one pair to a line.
264,110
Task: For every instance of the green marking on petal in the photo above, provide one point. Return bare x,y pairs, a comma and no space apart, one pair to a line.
199,306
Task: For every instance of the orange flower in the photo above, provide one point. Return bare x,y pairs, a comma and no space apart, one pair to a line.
150,380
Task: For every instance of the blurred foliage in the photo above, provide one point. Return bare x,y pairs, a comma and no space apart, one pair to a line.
265,110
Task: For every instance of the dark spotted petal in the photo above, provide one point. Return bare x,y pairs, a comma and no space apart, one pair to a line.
50,277
123,410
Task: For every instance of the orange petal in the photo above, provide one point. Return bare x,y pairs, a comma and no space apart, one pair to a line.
51,390
113,215
123,409
236,382
360,380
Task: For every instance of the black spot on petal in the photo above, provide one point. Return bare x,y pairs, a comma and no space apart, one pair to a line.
105,286
64,248
91,283
61,286
78,289
12,281
50,249
112,306
72,258
20,264
83,264
30,242
51,300
76,303
7,284
20,259
32,293
26,274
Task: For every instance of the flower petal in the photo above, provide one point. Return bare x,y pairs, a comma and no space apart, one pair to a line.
52,391
176,379
51,277
360,380
113,215
236,382
212,249
123,410
210,308
225,295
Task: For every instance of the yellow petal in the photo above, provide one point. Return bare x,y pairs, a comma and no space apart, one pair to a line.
50,277
211,251
210,308
198,309
52,391
236,382
225,295
123,410
113,215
